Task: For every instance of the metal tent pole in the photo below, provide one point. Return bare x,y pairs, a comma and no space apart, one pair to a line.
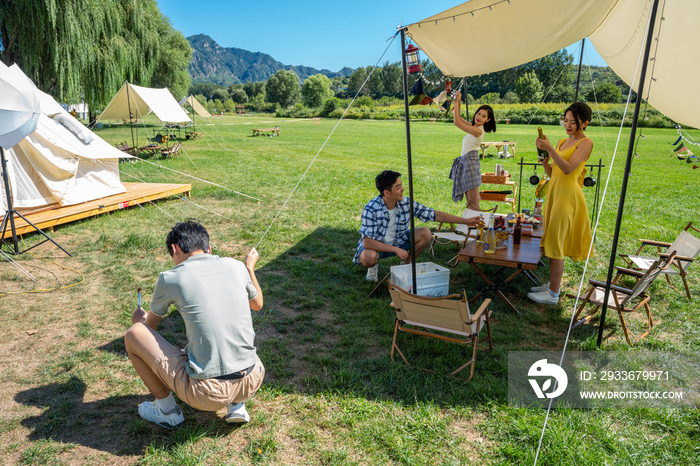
9,214
628,164
580,61
131,117
410,166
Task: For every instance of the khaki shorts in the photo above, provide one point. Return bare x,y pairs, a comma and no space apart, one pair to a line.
203,394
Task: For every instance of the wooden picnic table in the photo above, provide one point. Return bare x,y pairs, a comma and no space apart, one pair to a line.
150,149
272,131
498,145
522,257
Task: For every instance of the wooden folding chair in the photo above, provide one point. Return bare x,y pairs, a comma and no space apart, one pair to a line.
444,318
624,300
172,152
687,249
459,234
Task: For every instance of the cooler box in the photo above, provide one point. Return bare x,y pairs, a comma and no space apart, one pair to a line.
433,280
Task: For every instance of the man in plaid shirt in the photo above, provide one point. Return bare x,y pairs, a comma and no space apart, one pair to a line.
386,229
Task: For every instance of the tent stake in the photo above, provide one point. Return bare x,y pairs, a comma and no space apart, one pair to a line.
628,165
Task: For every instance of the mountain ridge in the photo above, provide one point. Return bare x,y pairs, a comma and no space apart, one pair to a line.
212,63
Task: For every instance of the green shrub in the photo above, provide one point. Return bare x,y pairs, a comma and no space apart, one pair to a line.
330,105
363,101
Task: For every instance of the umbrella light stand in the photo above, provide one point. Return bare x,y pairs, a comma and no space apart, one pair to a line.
9,219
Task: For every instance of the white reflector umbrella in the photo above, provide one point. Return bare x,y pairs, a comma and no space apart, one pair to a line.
19,106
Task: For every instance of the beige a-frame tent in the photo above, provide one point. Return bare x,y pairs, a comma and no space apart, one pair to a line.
134,102
195,105
196,108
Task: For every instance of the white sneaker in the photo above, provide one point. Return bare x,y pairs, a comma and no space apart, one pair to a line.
543,297
151,412
537,289
236,413
373,273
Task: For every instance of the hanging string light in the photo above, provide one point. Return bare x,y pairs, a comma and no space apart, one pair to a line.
686,138
490,8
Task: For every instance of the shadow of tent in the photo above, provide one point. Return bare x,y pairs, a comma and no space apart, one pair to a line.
319,332
100,424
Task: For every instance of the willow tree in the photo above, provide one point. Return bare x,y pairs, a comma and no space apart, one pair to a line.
84,49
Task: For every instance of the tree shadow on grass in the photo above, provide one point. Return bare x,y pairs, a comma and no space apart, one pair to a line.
111,425
320,331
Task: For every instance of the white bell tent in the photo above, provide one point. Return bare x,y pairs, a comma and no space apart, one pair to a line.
61,162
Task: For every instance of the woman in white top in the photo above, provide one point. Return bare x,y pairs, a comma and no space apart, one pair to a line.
466,169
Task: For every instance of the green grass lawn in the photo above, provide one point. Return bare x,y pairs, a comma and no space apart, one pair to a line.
332,395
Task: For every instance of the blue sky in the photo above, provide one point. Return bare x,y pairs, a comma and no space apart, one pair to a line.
319,34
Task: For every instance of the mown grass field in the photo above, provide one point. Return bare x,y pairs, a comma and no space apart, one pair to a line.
332,396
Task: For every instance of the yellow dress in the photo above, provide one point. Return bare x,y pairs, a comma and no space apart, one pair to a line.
567,229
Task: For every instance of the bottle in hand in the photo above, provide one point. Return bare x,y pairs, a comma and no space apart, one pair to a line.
480,232
541,153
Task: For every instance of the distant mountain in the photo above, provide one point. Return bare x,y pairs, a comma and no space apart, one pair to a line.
212,63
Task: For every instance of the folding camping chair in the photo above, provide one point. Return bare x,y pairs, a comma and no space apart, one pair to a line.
624,300
444,318
459,234
687,248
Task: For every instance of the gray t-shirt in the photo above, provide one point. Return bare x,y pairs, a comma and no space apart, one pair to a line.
212,295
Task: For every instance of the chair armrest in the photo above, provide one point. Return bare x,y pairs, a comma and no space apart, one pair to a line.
620,289
628,272
680,258
651,242
476,316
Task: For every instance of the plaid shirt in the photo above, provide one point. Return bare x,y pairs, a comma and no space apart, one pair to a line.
375,221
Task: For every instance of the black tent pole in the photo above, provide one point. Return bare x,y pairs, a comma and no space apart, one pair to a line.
580,61
131,118
410,166
9,214
628,164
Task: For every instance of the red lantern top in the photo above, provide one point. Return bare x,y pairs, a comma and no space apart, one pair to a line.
413,59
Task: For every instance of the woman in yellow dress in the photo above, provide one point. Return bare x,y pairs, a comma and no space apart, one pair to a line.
567,230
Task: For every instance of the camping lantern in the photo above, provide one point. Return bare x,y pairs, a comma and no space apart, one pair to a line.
413,59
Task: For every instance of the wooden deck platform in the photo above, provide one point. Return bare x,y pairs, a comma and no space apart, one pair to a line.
136,193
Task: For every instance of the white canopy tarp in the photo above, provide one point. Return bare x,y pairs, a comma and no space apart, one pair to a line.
138,101
61,162
485,36
196,106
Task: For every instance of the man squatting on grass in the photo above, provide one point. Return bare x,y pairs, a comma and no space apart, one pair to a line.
215,295
386,229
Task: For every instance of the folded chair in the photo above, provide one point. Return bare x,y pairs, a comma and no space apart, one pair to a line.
458,234
624,300
444,318
687,248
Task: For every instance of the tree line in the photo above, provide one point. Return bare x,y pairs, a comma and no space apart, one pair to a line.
548,79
